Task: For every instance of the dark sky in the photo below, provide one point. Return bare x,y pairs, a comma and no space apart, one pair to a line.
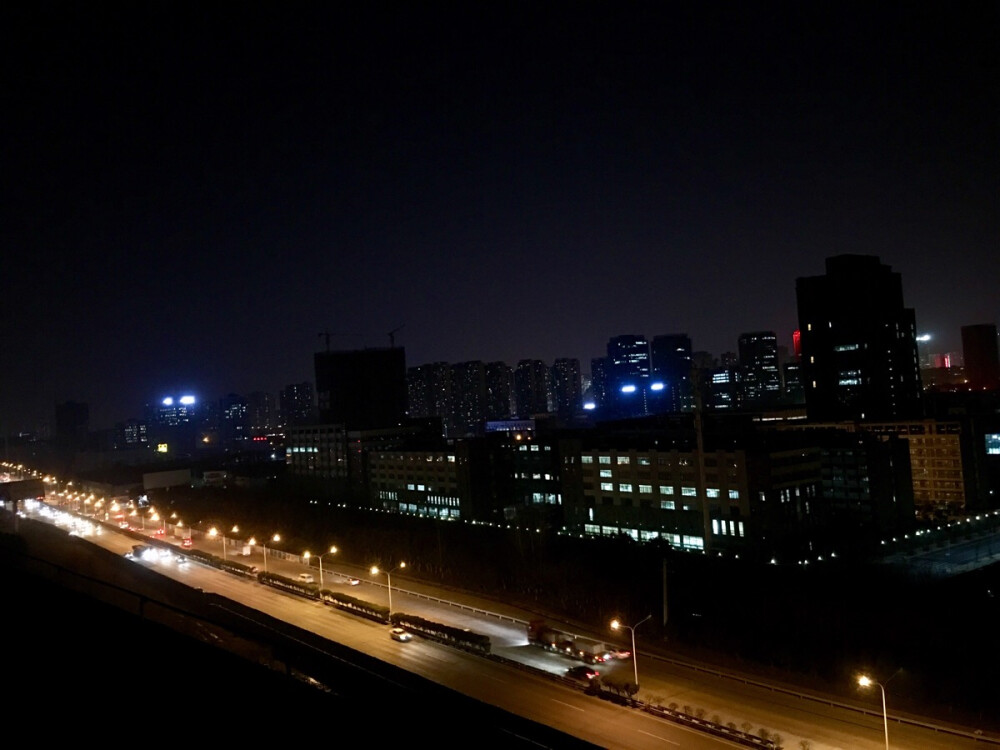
193,192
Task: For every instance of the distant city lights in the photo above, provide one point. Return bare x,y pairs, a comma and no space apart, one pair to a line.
628,389
656,387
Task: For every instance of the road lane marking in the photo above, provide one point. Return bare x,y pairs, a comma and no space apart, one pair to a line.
657,737
568,705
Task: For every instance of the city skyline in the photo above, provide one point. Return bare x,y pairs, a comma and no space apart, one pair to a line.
195,200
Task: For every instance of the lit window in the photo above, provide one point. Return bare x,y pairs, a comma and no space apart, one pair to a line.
711,493
667,505
688,491
623,460
666,489
586,459
734,494
645,489
607,487
606,473
624,487
604,459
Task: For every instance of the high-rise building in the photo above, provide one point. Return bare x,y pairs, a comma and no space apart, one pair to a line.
596,396
567,389
362,389
297,404
859,349
468,382
233,416
670,360
628,374
759,362
262,416
531,388
428,390
499,390
981,356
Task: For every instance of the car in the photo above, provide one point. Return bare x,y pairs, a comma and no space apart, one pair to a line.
617,653
582,674
123,525
401,634
306,578
186,541
160,531
352,581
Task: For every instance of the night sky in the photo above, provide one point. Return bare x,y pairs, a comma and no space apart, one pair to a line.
192,193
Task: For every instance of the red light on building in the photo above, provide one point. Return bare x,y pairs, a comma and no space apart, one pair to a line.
797,342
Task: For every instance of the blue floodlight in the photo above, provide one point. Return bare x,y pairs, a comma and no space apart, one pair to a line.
187,400
656,386
168,401
628,389
590,406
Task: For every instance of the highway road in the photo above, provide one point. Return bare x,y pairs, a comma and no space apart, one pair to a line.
531,686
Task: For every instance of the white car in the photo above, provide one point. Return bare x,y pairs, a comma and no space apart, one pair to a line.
306,578
401,634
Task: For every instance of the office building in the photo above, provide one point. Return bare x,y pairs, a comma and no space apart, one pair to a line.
628,375
981,356
859,350
758,354
670,361
362,389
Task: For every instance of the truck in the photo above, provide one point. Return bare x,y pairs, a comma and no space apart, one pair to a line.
587,650
590,651
541,634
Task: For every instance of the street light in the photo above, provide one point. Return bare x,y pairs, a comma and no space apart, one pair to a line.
252,541
214,532
616,625
332,551
388,579
866,681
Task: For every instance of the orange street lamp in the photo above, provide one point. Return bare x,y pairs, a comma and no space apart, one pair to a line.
388,579
617,625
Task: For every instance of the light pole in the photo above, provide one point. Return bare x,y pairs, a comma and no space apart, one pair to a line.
616,625
331,551
388,580
866,681
274,538
214,532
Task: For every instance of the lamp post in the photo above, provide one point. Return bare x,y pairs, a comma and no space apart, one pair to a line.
274,538
331,551
616,625
214,532
388,580
866,681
